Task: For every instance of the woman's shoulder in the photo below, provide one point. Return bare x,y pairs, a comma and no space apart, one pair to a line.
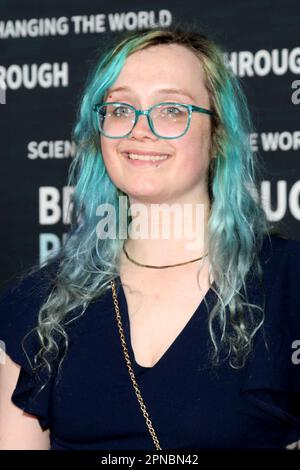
29,287
279,244
280,257
20,304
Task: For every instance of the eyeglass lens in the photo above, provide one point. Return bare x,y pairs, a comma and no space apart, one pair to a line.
168,119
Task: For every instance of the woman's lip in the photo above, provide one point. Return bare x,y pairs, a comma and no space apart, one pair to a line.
152,154
144,163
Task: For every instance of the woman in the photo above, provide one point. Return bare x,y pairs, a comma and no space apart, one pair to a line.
158,342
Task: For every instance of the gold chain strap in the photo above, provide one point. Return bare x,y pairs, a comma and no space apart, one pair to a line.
130,370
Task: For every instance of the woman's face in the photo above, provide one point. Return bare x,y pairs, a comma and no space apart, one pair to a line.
183,175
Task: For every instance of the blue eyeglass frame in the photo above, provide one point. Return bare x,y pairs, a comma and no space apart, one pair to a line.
146,112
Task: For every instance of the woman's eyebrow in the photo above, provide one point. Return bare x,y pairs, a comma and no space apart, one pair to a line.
175,91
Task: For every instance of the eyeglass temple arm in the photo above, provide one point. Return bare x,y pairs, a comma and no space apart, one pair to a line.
202,110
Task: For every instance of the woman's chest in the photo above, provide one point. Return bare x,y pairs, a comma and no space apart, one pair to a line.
157,316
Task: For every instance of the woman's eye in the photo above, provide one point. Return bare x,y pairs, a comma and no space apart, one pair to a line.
121,110
172,110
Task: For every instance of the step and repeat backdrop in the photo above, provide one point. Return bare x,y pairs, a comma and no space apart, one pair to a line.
47,49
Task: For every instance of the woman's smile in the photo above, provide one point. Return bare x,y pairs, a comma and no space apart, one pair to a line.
145,161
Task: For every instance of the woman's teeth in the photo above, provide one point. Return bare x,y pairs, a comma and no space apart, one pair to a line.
133,156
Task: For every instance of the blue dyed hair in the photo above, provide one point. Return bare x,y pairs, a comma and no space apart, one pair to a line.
236,227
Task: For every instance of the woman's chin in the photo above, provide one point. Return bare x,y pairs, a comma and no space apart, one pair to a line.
146,197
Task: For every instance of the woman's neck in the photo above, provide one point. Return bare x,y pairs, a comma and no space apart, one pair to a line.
163,234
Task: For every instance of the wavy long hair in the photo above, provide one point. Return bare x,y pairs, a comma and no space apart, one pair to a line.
236,227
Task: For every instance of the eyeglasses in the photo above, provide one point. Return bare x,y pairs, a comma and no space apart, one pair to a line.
166,120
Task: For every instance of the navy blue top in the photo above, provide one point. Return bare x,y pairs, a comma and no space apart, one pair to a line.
94,406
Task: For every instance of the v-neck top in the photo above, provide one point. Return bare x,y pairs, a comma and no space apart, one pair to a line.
179,338
192,405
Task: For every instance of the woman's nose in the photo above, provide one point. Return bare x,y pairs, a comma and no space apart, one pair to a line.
142,127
